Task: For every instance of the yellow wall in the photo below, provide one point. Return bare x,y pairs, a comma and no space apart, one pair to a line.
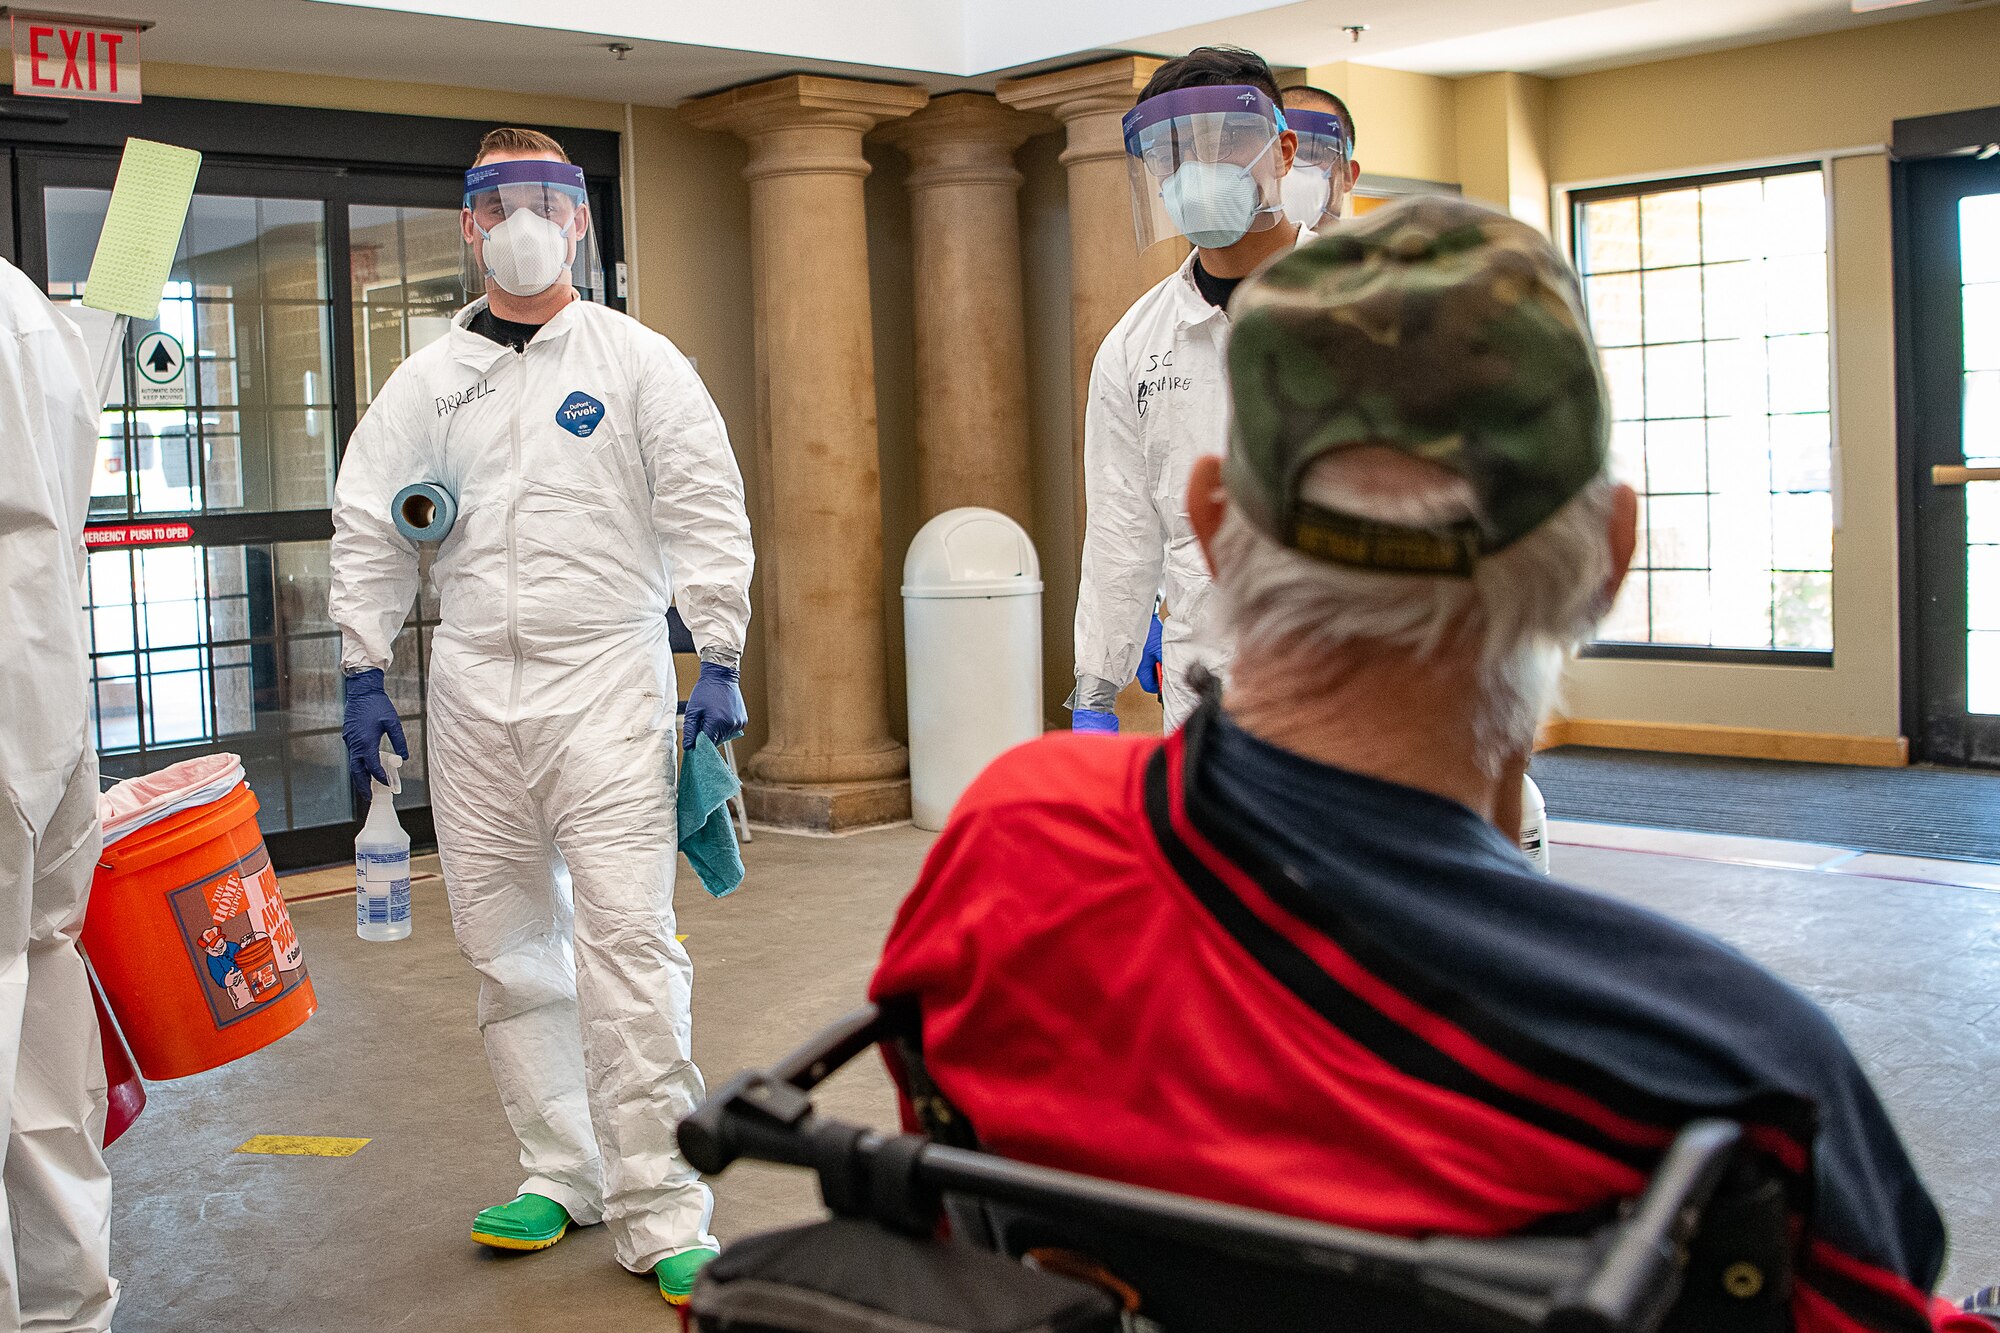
409,99
1404,124
1837,91
1507,138
1859,695
1791,100
1502,143
1487,134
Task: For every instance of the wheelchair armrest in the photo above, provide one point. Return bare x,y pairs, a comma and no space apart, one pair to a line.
1638,1278
761,1114
834,1045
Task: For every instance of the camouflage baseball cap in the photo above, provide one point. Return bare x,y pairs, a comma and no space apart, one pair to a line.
1435,327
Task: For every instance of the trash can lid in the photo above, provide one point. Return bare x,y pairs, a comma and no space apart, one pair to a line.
971,553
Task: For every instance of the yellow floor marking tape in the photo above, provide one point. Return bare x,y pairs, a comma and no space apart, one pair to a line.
303,1145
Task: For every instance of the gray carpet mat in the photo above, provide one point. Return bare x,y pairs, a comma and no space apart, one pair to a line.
1952,813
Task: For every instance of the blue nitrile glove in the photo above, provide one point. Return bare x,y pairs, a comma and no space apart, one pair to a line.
1090,719
1149,660
715,707
370,717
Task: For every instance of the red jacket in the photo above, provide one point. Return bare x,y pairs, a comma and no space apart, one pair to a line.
1113,982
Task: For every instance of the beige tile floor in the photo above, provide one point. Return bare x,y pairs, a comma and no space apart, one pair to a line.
304,885
209,1238
1731,850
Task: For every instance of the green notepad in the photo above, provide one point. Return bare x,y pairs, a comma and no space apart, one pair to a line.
142,228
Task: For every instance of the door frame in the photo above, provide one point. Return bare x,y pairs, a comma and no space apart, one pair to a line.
357,157
341,157
1922,149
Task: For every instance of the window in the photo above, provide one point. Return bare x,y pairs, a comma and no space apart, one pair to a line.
1709,299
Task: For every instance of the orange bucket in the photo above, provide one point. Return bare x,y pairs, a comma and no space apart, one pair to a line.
192,943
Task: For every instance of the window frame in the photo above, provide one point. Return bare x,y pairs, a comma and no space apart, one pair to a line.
1571,200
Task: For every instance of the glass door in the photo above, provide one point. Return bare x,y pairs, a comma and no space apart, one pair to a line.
1952,315
404,287
295,293
203,643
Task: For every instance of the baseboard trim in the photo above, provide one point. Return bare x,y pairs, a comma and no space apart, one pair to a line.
827,807
1809,747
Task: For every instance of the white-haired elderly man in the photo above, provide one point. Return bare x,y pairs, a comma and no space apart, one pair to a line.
1291,957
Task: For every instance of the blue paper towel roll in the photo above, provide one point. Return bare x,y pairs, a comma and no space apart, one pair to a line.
424,512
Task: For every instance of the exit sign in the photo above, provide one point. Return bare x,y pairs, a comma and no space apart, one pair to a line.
63,56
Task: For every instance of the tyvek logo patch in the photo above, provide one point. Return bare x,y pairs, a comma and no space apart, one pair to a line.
579,414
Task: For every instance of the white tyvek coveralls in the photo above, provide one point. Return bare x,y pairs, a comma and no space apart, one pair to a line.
1158,401
55,1233
552,731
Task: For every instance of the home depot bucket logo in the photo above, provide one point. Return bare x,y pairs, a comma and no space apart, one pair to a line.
240,939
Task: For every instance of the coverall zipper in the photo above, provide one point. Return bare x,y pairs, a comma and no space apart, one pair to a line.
513,554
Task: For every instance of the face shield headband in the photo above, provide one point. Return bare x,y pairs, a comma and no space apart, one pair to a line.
561,176
531,221
1316,189
1322,138
1229,99
1202,164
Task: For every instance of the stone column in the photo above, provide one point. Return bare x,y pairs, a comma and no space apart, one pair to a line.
1108,272
829,762
972,373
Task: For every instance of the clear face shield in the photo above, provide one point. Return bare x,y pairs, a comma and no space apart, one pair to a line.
1315,190
527,228
1205,164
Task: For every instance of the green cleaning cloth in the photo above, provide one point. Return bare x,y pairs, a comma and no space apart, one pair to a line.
702,812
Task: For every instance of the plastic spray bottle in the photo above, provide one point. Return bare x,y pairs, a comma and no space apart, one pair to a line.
1534,825
382,862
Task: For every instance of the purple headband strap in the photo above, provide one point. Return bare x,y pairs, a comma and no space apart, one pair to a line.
1215,99
1322,123
495,174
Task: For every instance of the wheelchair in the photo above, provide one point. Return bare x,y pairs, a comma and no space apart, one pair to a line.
1704,1248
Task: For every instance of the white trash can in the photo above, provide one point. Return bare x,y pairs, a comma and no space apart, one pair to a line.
972,639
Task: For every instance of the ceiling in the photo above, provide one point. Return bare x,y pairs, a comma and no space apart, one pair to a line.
683,48
1549,37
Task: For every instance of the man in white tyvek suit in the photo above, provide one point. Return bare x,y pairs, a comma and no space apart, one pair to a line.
1208,149
1317,188
590,468
55,1235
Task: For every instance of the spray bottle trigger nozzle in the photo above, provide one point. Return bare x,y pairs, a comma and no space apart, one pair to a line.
392,764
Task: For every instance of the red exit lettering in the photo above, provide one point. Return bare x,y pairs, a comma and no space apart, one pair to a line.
55,58
138,534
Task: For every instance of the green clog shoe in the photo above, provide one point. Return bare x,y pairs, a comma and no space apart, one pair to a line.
530,1222
677,1273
